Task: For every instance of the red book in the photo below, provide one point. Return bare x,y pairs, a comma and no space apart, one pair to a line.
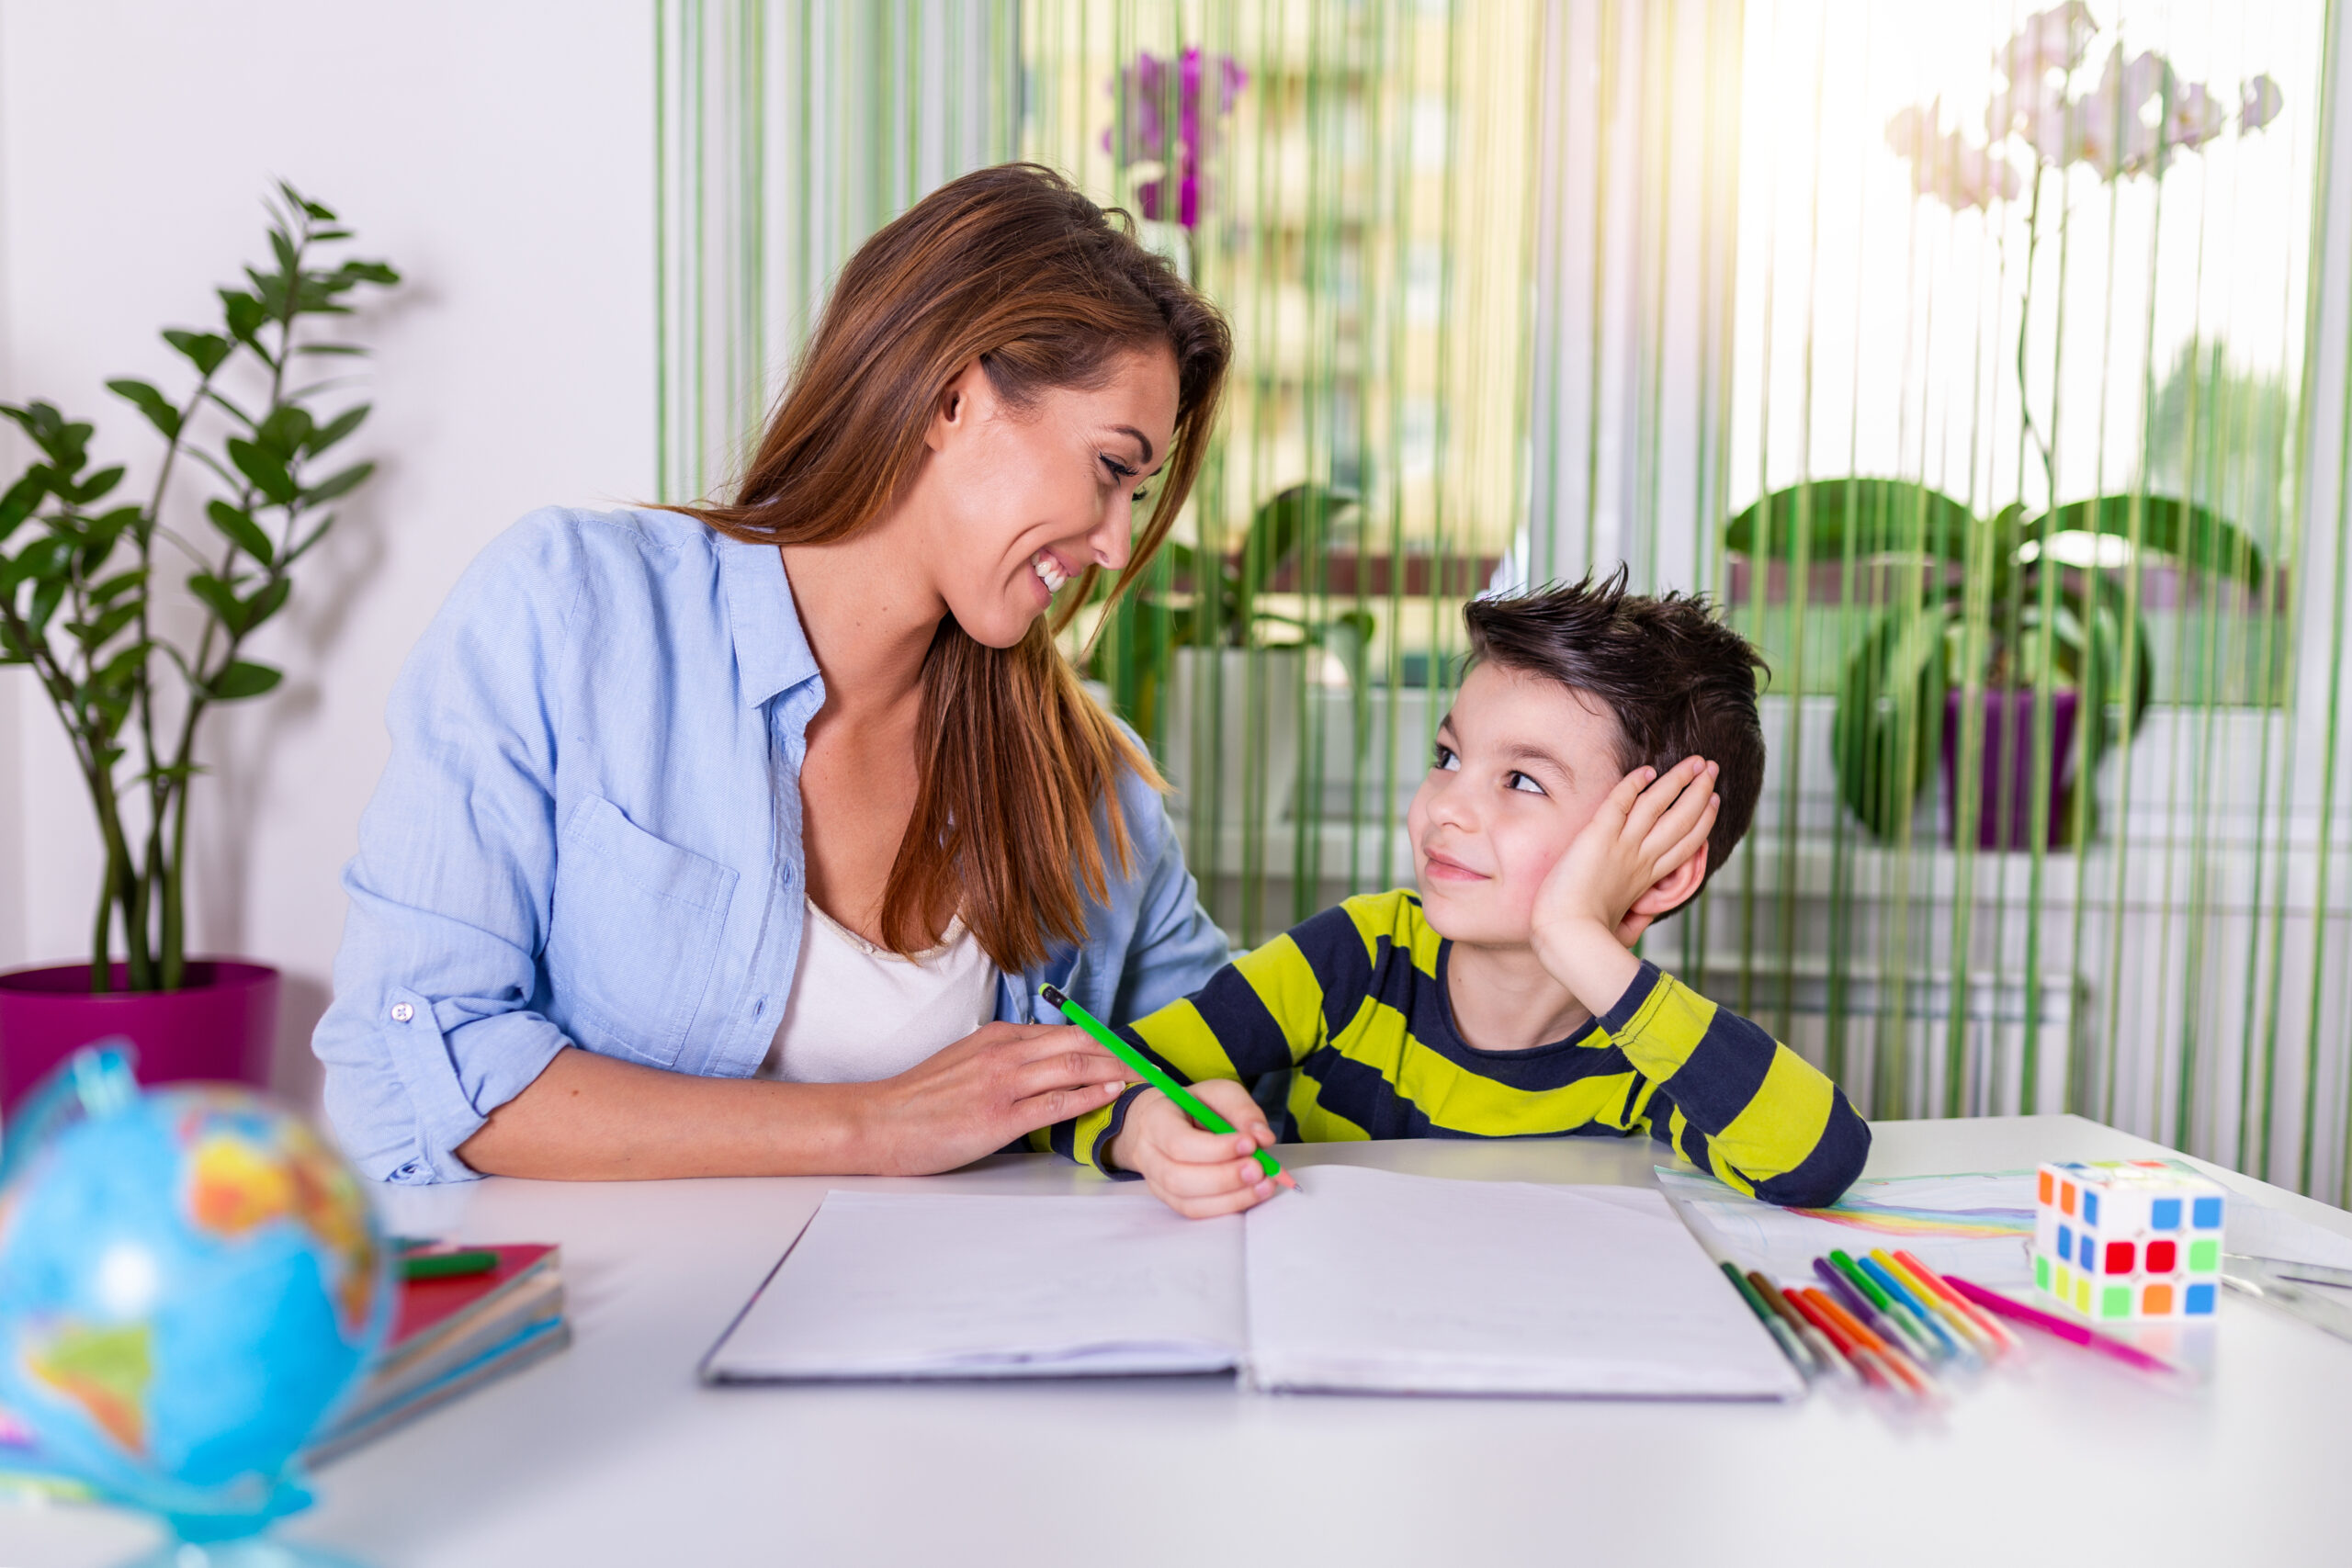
427,1303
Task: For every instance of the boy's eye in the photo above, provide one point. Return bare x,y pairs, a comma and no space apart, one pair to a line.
1517,780
1445,760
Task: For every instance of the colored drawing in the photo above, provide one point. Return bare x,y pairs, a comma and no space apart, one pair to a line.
1899,1219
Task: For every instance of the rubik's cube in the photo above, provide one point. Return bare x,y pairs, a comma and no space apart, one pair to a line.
2136,1238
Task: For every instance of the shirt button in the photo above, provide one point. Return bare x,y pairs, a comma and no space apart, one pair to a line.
403,1012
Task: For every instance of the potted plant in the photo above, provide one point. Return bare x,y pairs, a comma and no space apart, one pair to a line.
132,675
2008,607
1999,642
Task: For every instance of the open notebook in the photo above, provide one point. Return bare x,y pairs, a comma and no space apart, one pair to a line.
1362,1281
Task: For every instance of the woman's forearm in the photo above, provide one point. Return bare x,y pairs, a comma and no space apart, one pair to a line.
590,1118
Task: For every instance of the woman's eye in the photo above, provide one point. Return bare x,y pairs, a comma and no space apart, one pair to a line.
1141,496
1521,781
1120,472
1445,760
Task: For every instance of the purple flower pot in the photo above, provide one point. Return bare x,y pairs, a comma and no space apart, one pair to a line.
221,1024
2008,754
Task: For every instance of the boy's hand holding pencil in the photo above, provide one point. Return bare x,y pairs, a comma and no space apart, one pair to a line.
1196,1172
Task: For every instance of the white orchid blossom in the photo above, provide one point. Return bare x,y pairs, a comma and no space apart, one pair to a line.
2124,125
2050,40
2259,102
2194,117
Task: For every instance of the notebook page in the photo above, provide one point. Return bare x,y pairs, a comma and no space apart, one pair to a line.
920,1285
1379,1282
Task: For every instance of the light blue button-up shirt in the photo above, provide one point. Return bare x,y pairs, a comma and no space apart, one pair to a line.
589,834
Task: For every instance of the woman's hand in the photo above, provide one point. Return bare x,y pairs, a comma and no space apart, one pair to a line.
995,1084
1196,1172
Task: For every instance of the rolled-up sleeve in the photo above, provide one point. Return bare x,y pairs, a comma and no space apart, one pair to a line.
433,1024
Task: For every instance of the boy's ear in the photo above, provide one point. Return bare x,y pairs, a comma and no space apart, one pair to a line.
1673,890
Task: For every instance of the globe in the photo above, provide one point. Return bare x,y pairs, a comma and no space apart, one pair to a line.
190,1280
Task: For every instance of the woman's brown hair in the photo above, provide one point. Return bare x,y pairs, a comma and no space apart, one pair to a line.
1011,267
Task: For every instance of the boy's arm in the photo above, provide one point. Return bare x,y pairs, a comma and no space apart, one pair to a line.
1259,1014
1730,1099
1712,1084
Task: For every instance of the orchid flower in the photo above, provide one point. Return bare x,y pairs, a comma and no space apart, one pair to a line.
2259,102
2124,125
1142,89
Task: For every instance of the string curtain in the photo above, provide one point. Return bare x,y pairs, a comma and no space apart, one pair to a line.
1984,361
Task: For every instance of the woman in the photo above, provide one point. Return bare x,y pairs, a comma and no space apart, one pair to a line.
737,839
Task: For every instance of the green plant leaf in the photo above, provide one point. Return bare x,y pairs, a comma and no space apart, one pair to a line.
309,208
336,429
286,431
240,680
97,633
242,530
1883,517
96,487
340,485
24,498
118,584
219,598
2194,536
47,593
245,314
369,271
151,403
206,350
265,601
330,348
266,470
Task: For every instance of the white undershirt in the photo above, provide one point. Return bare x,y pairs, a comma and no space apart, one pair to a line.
858,1012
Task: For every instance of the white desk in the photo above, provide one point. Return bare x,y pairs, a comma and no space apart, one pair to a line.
610,1454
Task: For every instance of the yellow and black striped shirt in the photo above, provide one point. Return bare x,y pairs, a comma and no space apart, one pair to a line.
1355,1000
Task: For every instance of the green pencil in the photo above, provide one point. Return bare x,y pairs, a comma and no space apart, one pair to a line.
1186,1100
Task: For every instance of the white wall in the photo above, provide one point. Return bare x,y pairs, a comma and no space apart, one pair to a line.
499,153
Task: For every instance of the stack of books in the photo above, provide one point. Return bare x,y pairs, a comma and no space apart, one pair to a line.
454,1333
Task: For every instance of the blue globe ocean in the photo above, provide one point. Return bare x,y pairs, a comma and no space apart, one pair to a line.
190,1283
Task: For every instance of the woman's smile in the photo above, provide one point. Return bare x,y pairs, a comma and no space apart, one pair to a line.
1050,573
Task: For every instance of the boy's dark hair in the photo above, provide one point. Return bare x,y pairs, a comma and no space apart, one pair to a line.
1679,681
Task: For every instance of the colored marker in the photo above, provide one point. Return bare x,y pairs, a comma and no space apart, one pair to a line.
1186,1100
1912,1334
1956,1314
2072,1332
1799,1356
1898,1364
1807,1334
1965,1328
1856,1304
1983,1319
1858,1361
1918,1310
448,1265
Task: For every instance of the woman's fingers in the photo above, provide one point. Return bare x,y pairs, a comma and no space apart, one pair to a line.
1054,1105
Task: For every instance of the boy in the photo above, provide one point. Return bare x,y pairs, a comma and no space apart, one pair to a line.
1601,758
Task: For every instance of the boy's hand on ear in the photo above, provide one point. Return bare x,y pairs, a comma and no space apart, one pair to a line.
1589,911
1196,1172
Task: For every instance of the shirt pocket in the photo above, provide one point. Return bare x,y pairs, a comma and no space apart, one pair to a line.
633,935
